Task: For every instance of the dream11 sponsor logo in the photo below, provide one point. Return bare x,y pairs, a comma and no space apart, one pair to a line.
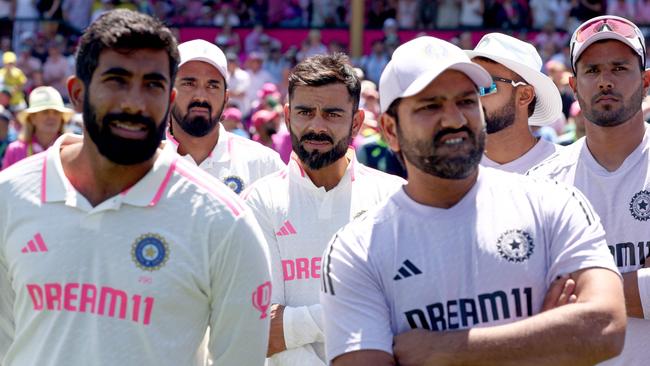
262,298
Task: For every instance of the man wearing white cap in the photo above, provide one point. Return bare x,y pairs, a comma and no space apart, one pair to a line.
454,268
611,164
520,95
195,130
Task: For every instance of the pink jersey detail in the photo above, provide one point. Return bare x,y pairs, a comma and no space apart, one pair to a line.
44,180
164,183
234,207
32,246
284,231
40,242
230,141
290,227
301,268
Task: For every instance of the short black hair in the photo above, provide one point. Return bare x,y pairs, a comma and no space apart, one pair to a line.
127,30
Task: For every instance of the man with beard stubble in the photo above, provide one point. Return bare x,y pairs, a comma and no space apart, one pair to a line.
301,207
455,267
195,130
520,96
111,248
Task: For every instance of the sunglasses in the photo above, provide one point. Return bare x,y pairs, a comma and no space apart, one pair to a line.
493,88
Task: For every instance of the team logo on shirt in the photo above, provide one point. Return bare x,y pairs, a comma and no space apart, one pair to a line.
515,245
640,206
150,252
235,183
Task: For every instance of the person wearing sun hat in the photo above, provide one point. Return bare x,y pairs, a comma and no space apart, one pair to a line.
520,96
42,123
610,165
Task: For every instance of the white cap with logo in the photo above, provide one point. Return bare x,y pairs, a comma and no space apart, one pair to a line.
201,50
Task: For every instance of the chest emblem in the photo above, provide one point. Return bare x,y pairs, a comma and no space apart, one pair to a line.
150,252
515,245
235,183
640,206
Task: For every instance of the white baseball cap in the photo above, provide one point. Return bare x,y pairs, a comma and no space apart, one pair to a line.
201,50
523,59
415,64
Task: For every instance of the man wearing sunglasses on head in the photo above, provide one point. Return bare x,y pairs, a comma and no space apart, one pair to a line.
520,95
610,165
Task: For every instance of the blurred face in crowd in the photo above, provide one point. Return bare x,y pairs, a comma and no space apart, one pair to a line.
322,123
200,99
499,106
48,122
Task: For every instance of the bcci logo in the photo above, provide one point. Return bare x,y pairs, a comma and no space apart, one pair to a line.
150,252
262,298
640,206
235,183
515,245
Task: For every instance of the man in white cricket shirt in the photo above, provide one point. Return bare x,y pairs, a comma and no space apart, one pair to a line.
520,96
195,130
610,165
113,252
301,207
454,267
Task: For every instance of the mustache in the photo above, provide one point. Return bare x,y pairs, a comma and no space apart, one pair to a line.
128,117
604,93
317,137
440,134
200,105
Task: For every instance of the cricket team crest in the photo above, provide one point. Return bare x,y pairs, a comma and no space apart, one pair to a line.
150,252
640,206
515,245
235,183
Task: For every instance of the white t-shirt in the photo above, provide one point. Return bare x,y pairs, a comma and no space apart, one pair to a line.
542,150
298,220
406,265
135,280
622,200
235,160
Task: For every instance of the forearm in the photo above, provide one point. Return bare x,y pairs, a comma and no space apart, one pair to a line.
633,304
303,325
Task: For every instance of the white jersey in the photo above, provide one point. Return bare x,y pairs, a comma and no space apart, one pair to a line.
135,280
406,265
622,200
298,220
542,150
235,160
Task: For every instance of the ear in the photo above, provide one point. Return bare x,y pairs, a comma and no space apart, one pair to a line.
389,129
572,83
357,121
526,95
287,116
76,89
646,80
226,97
172,96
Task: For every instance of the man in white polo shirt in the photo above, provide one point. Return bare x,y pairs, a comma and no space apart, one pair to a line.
195,130
301,207
520,96
454,267
115,252
610,165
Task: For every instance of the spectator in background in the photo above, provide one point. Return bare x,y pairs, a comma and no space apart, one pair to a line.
228,40
471,13
428,14
583,10
391,35
550,35
226,16
77,13
378,13
56,69
374,63
407,13
258,76
268,98
642,12
448,14
545,11
238,84
252,40
28,63
312,45
621,8
25,14
106,5
42,123
14,79
266,124
232,122
275,62
509,14
575,128
558,72
5,119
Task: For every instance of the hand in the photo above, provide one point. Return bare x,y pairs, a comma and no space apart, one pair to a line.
561,292
276,336
420,347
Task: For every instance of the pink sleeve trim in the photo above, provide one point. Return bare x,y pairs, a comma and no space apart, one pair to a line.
44,180
164,183
233,206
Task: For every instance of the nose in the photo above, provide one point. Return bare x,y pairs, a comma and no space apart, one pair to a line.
133,101
605,81
452,116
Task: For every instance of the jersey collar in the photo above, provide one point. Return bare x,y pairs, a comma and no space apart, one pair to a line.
220,153
296,171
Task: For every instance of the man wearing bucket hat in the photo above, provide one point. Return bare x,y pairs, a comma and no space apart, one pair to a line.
42,123
520,95
195,130
454,268
611,164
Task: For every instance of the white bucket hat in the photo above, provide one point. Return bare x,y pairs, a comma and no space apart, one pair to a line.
417,63
523,59
201,50
44,98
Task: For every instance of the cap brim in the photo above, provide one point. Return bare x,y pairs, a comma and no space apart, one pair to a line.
223,73
476,73
22,115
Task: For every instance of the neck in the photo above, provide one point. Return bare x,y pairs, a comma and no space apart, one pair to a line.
329,176
199,148
95,177
510,143
437,192
45,139
610,146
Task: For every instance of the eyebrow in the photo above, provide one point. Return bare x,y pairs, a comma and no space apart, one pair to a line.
192,78
615,63
326,109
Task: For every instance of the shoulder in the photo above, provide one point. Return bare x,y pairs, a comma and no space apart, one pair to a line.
252,149
25,175
267,186
563,160
377,177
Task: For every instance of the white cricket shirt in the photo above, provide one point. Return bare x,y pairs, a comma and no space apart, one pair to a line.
538,153
486,261
135,280
298,219
235,160
622,200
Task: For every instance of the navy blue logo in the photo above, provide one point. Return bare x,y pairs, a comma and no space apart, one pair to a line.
640,206
515,245
150,252
235,183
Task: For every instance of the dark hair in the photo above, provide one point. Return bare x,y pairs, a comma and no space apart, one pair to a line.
126,30
323,70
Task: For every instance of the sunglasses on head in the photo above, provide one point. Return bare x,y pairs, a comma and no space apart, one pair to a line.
493,88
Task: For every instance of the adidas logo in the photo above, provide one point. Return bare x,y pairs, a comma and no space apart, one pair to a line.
35,245
286,229
407,269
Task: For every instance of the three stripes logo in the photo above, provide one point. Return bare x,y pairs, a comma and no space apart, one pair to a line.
407,269
286,229
35,245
